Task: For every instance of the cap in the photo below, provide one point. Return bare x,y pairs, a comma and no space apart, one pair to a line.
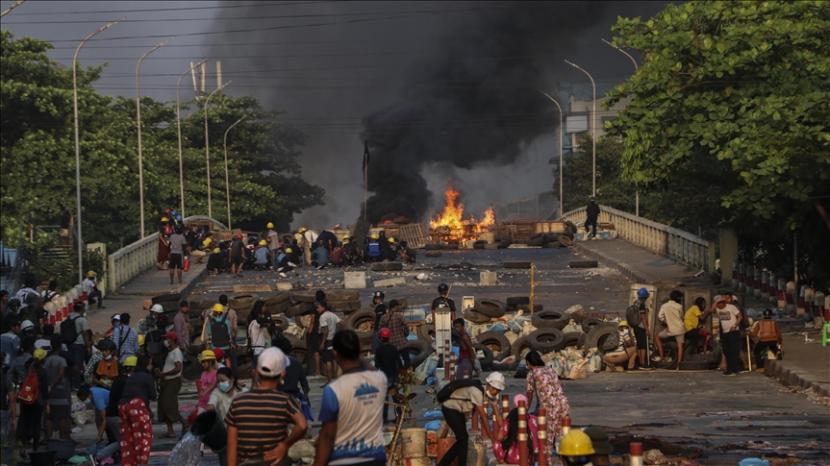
116,317
269,225
207,355
26,325
495,380
289,250
157,309
271,362
131,361
443,288
599,440
384,333
39,354
171,336
378,294
217,308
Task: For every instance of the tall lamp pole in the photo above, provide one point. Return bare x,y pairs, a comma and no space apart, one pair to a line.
179,131
636,67
138,127
561,161
593,128
227,177
77,139
207,145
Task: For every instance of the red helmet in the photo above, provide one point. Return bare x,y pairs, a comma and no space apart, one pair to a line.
384,334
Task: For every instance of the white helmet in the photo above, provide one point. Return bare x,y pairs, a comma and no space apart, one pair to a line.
26,325
495,380
157,308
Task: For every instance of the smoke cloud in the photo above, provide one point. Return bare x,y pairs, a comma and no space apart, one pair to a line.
464,96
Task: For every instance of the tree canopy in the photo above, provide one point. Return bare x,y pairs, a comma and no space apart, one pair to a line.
732,102
38,158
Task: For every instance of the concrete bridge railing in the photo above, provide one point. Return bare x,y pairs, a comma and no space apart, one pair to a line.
681,246
138,257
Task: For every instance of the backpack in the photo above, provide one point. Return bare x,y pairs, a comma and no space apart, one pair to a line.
446,392
69,332
632,315
30,389
219,334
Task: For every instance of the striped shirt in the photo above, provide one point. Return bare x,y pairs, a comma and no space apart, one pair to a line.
262,418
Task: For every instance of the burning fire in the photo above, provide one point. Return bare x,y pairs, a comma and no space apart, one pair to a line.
451,223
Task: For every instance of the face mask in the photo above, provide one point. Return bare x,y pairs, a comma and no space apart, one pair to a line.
167,344
225,386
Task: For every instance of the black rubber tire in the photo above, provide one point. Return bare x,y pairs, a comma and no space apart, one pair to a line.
303,297
486,360
516,265
585,264
495,339
536,240
479,244
280,297
703,361
358,319
517,348
546,340
299,309
570,339
280,308
344,306
342,295
515,302
279,321
604,337
475,317
490,307
504,367
419,351
590,323
548,319
387,267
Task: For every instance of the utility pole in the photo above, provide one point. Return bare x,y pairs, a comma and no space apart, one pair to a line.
593,127
207,144
11,7
227,178
561,161
77,137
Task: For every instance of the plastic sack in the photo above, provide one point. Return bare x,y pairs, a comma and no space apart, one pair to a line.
594,360
433,414
433,425
498,327
572,327
188,452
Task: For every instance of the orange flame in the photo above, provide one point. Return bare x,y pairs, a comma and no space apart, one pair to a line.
452,222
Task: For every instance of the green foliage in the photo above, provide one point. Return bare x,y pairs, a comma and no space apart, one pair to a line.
612,190
38,155
729,113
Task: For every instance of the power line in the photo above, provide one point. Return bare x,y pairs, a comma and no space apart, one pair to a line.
153,10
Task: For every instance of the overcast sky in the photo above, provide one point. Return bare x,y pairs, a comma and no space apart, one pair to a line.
326,65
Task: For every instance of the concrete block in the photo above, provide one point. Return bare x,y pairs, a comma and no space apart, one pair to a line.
354,280
390,282
284,286
487,279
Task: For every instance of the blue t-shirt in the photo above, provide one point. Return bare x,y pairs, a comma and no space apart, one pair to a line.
355,401
100,398
261,255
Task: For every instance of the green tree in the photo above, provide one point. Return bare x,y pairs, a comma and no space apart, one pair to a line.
732,102
612,190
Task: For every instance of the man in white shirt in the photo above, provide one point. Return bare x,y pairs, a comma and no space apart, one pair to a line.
328,326
671,315
170,384
730,326
90,285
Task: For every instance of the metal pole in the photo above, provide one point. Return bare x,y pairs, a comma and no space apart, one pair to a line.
207,146
138,128
593,127
561,160
227,179
77,138
179,131
636,67
11,7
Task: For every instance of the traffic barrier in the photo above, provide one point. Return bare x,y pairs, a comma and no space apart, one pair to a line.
801,309
447,360
809,297
772,292
505,407
522,437
566,425
635,451
542,434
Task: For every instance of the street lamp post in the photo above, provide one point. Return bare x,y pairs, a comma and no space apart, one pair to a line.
593,127
561,161
179,131
138,127
227,177
207,145
636,67
78,141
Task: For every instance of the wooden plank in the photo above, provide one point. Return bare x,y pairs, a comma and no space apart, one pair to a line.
252,288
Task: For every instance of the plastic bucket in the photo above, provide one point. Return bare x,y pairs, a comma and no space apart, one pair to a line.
414,442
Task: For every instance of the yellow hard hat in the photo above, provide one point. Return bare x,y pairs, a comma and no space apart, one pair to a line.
262,242
131,361
207,355
269,225
164,219
141,340
391,240
623,323
375,236
218,308
40,354
206,242
216,250
576,443
91,274
289,250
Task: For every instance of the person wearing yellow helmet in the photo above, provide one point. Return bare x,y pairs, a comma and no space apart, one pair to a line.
262,256
207,381
134,412
576,448
374,251
272,238
216,261
625,354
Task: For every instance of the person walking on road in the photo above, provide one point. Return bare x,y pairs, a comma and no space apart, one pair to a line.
467,354
352,410
592,217
543,381
178,249
730,326
181,325
170,384
258,420
328,326
134,413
